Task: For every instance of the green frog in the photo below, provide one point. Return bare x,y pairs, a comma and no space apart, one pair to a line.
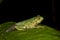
27,24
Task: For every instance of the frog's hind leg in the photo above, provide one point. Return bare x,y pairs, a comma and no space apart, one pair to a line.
11,28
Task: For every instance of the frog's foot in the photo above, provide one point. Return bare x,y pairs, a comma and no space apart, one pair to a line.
11,28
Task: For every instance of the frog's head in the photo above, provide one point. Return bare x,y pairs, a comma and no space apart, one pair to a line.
39,19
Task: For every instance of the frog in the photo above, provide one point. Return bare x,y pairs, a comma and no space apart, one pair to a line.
27,24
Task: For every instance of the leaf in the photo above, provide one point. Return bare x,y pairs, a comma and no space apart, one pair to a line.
45,33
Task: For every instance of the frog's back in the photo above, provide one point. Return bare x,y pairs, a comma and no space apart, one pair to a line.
34,19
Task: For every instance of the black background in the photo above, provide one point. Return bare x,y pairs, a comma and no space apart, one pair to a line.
15,10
